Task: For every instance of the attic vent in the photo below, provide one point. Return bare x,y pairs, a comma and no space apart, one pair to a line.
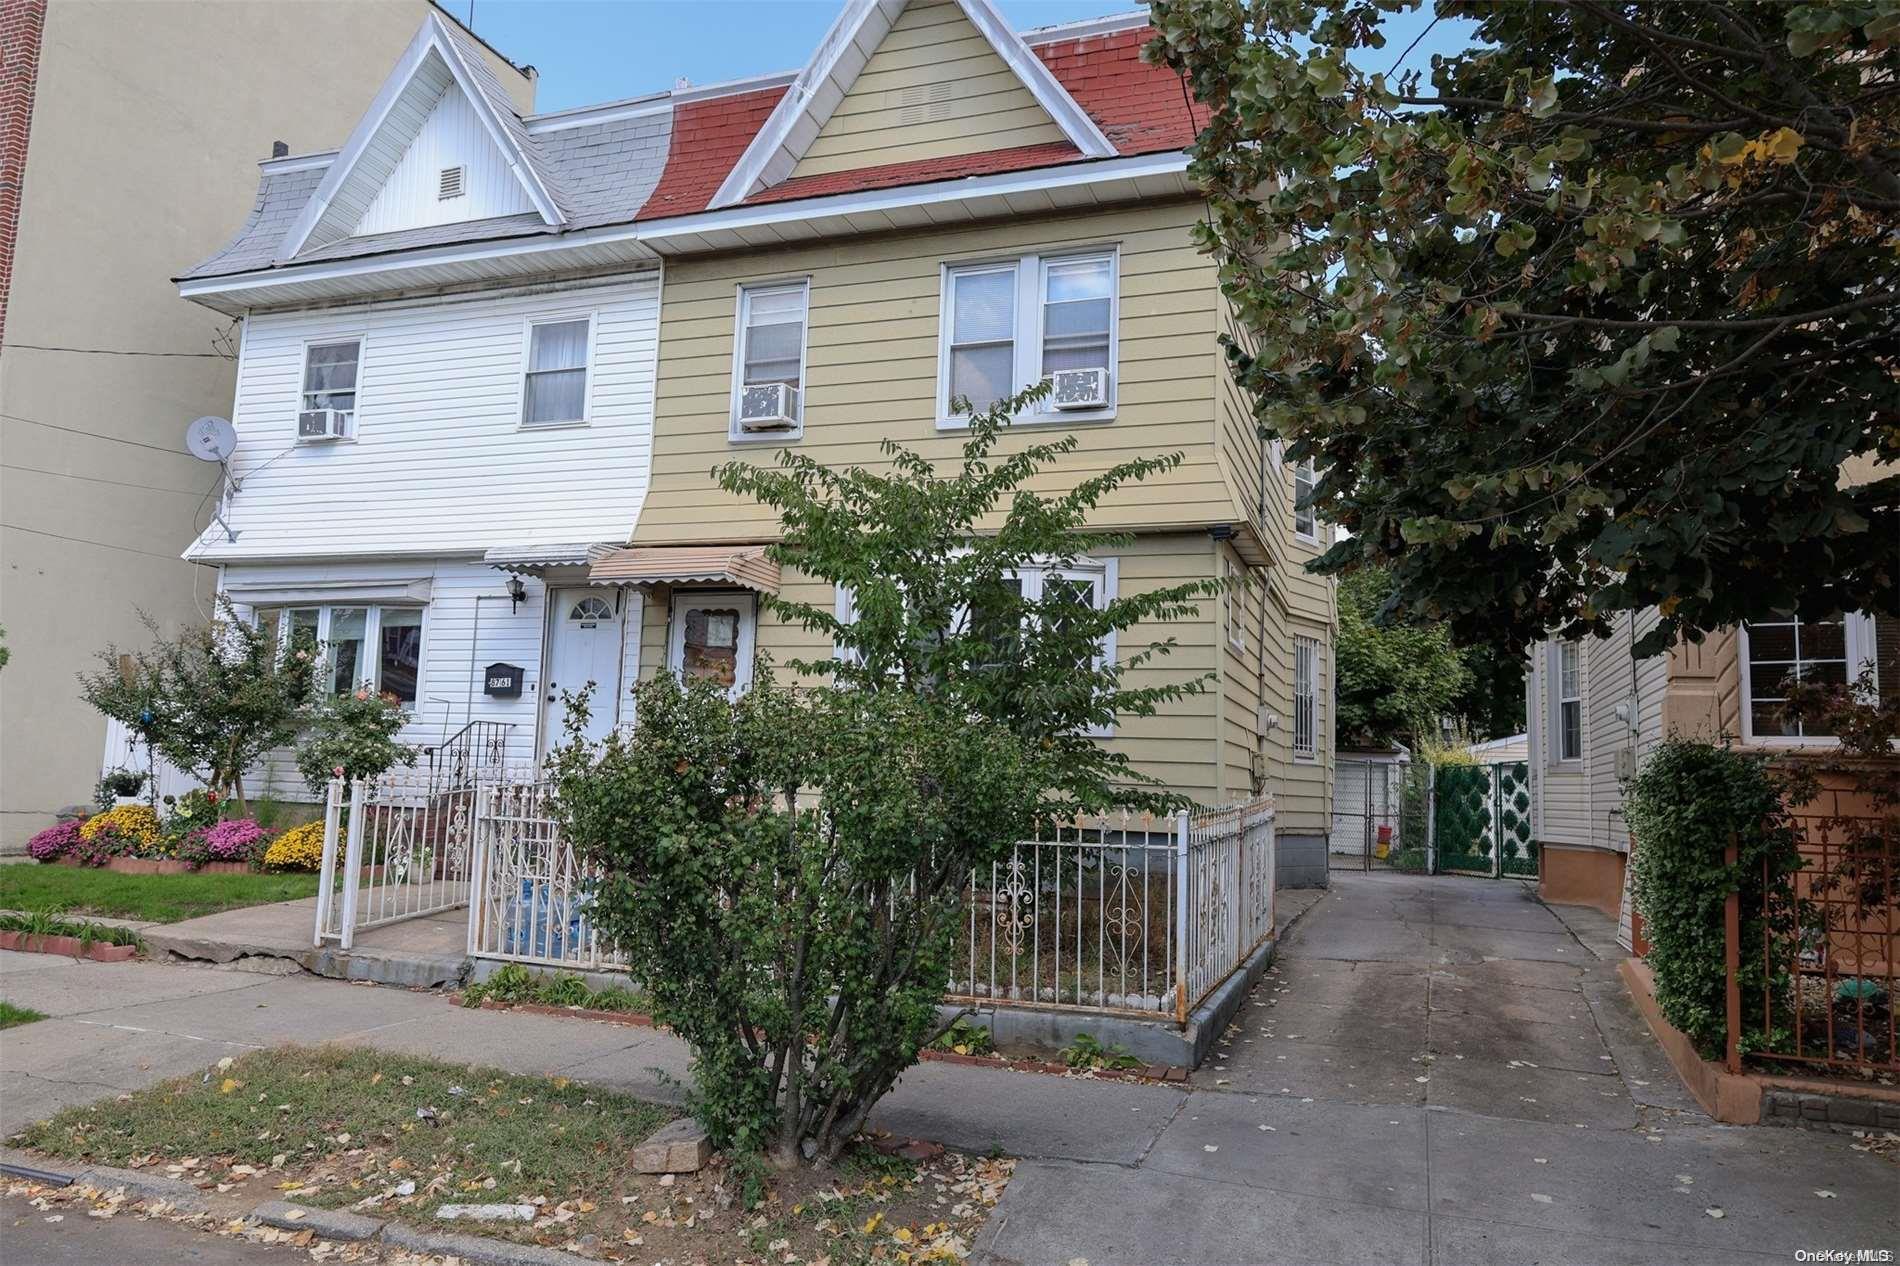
924,103
450,184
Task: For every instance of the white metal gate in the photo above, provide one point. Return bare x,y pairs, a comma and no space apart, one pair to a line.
401,851
530,898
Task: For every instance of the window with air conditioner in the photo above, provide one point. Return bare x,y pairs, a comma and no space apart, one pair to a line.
1007,324
554,386
768,362
327,409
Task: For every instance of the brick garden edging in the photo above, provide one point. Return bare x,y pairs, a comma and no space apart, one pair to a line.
68,946
159,866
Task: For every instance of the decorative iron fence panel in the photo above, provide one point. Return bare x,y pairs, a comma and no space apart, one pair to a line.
401,852
530,895
1481,821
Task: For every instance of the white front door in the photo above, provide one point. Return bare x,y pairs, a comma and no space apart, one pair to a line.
584,646
711,637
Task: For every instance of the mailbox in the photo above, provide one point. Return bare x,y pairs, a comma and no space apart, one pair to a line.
502,680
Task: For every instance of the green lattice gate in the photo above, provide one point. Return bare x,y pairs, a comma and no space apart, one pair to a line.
1481,822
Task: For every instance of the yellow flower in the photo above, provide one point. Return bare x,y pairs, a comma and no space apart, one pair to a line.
127,821
300,848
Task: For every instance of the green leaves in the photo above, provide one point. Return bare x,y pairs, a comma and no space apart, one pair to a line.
1559,284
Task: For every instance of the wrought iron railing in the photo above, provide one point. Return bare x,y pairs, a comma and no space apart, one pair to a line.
401,851
530,894
473,754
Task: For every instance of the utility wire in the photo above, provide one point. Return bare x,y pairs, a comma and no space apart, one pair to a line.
120,483
80,540
156,448
115,351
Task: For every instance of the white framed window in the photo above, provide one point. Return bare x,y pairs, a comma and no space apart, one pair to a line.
1234,600
555,371
1306,698
1007,324
769,343
711,638
1833,652
1566,702
331,369
378,648
1305,518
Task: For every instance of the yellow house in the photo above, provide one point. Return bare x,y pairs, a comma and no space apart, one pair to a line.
1063,250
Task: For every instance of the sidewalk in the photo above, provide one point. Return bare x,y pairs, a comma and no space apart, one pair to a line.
1276,1152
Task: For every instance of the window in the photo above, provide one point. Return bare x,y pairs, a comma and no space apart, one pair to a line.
771,349
1827,652
555,390
711,638
982,335
1305,698
373,648
1234,607
1305,519
1007,324
329,375
1566,700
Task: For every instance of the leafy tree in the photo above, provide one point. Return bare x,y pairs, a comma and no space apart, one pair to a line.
786,870
1492,703
211,700
1594,321
1396,681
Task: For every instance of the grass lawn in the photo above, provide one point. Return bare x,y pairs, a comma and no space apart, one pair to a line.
399,1137
12,1016
152,898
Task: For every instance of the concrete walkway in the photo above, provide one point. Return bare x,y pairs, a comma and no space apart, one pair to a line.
1312,1139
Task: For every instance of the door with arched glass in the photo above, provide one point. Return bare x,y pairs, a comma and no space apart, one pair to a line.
584,647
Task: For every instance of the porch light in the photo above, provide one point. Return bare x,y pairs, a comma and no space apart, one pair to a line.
516,592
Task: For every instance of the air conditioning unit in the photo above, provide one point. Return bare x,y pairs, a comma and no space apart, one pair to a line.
323,424
771,406
1079,389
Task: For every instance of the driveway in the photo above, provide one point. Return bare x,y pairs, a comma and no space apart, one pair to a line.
1441,1070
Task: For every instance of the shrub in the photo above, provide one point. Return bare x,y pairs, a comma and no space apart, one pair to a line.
354,734
239,840
1683,807
299,848
55,841
133,825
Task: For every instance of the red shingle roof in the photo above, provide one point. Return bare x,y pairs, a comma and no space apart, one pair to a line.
1142,109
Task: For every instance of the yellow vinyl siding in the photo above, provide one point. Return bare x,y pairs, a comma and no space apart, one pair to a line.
871,368
934,88
1177,744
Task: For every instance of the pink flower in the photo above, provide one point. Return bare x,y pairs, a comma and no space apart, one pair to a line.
338,771
362,696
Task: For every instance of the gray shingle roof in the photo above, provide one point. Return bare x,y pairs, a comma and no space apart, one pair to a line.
601,173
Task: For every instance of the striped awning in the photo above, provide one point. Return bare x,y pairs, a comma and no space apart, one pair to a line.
533,560
743,565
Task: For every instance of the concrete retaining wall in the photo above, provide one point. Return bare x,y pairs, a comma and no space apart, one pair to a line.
1300,861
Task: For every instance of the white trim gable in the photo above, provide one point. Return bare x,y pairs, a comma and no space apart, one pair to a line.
808,104
430,67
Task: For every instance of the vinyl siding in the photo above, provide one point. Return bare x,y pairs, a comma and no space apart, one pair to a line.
872,357
1176,745
451,136
467,625
440,461
933,89
1561,801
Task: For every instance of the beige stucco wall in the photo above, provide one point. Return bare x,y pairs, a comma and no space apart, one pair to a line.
148,123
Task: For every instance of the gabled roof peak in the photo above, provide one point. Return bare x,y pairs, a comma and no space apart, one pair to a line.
846,48
439,59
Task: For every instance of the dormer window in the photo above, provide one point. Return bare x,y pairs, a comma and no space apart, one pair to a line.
449,184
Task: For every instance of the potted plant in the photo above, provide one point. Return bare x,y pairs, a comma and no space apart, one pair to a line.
119,786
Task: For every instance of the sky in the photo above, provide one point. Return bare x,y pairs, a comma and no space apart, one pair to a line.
590,51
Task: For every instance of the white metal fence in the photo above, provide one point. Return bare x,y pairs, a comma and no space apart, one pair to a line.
1124,914
401,851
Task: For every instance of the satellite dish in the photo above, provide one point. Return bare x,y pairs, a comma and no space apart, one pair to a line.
210,439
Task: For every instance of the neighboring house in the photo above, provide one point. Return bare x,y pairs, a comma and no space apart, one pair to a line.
1595,710
129,134
1501,751
516,346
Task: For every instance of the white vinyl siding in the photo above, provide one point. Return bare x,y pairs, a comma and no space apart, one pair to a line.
442,462
1306,702
451,137
554,384
1009,324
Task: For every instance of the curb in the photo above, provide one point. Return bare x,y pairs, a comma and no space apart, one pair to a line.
332,1224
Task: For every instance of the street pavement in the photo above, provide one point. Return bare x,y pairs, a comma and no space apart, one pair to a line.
1435,1070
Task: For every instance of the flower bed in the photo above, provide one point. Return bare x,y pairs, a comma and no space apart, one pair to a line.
132,839
45,932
